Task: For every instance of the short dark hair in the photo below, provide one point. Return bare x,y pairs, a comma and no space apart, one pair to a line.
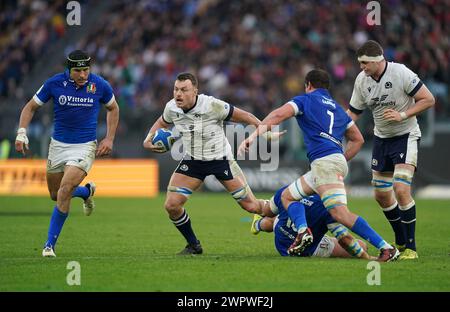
370,48
188,76
318,78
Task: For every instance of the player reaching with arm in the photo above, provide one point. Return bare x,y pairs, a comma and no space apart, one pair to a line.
395,95
77,98
199,118
324,124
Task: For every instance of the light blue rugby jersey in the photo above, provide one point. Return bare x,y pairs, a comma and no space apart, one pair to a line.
323,122
75,109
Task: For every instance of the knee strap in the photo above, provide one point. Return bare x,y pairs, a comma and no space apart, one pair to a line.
338,230
180,190
402,175
381,183
296,190
334,197
240,193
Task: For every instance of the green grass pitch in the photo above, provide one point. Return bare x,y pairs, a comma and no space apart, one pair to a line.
130,245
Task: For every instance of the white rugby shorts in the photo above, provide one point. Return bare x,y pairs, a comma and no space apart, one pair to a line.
79,155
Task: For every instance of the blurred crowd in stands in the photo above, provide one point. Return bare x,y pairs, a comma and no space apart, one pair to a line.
254,54
27,28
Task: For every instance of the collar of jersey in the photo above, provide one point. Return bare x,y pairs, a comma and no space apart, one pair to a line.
195,104
382,74
322,90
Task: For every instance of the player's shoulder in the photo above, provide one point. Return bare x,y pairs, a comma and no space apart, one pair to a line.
171,105
361,78
300,97
399,69
96,78
56,78
209,103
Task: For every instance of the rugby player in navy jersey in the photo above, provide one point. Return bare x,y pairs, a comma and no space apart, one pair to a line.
324,124
77,96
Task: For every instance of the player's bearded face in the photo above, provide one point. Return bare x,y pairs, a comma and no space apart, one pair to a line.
369,68
80,75
184,94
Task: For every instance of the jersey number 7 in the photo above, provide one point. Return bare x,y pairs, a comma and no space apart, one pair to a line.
331,121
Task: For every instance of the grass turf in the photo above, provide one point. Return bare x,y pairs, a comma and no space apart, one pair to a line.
130,245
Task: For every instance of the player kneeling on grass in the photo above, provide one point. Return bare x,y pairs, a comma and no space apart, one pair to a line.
343,244
199,118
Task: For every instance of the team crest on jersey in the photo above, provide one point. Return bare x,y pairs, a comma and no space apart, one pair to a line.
388,85
91,88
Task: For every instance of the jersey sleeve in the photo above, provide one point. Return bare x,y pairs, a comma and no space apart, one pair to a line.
166,115
298,104
357,103
44,94
107,96
410,80
222,109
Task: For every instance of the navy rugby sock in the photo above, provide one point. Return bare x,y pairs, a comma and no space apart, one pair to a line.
393,216
408,214
183,224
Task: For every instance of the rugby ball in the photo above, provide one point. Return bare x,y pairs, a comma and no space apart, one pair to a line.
164,138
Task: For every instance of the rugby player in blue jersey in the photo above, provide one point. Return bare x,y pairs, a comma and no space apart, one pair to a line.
324,124
77,97
342,245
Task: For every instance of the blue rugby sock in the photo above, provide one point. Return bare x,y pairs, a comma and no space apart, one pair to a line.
408,215
296,212
81,191
183,224
393,216
56,223
363,229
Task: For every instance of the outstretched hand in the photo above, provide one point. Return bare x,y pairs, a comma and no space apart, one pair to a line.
274,136
245,145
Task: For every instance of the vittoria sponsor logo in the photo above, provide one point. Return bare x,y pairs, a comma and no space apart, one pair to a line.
75,101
